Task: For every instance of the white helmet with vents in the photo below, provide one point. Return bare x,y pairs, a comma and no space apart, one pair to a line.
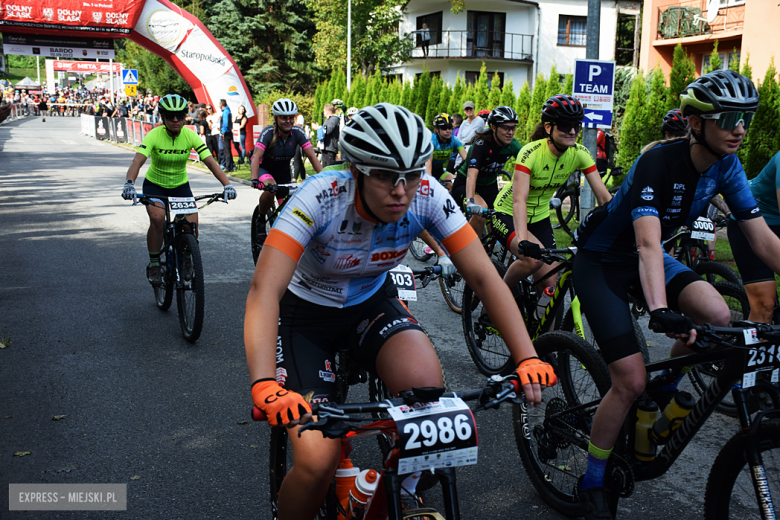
284,107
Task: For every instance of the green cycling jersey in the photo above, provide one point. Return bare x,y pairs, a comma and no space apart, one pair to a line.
547,172
169,155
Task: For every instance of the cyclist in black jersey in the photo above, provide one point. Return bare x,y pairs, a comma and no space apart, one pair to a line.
476,184
620,246
275,148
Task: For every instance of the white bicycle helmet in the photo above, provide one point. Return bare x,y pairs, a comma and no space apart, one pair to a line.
386,135
352,111
285,107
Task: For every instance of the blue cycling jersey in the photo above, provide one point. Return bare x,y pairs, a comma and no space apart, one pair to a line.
764,188
443,151
664,183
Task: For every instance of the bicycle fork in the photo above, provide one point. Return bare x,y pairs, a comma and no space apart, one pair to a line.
753,454
392,484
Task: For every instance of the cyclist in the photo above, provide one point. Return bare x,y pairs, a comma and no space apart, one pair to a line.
351,111
169,147
329,289
275,149
759,279
476,184
522,218
620,245
675,124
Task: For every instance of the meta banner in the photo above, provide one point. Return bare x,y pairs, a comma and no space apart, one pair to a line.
111,17
58,47
84,66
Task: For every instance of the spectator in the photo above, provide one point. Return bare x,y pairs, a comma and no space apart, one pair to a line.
241,120
457,119
226,129
469,127
601,152
44,109
202,126
425,39
213,122
330,138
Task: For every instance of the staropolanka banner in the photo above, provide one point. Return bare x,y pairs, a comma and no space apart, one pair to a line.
58,47
111,17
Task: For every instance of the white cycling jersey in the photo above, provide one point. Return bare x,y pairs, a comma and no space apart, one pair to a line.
343,255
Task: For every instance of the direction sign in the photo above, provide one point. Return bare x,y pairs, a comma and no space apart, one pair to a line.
130,76
594,86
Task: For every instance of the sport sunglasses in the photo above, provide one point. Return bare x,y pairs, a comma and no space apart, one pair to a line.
566,126
730,120
392,177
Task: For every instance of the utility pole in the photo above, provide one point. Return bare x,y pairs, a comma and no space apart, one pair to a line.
349,45
589,135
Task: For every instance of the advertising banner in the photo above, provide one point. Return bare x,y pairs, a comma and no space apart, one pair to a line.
147,127
57,46
120,133
128,126
101,127
138,133
86,66
111,129
113,18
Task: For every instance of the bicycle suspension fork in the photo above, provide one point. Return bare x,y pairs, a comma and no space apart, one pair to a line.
392,482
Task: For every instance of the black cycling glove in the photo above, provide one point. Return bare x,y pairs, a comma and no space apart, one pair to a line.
530,249
256,183
666,320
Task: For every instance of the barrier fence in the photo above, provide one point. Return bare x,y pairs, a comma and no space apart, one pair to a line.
122,130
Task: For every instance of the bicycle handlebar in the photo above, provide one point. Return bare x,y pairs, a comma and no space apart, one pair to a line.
146,199
707,333
485,213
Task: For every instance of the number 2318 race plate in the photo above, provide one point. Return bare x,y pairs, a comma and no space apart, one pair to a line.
435,435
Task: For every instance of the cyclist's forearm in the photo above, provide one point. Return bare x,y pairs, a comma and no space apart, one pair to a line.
721,205
316,164
599,189
135,167
471,183
254,167
651,261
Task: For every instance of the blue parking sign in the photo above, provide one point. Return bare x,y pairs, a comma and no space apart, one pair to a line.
594,86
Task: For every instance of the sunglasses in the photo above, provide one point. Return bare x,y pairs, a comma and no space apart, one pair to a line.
468,109
174,117
730,120
392,177
567,126
286,118
448,127
508,128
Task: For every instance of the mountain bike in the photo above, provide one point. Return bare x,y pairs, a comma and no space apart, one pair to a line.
569,195
553,439
261,224
430,431
181,260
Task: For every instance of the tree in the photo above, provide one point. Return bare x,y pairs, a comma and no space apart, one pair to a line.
269,40
764,137
375,38
357,96
553,84
535,106
494,96
632,135
508,94
444,99
422,89
456,105
154,72
432,106
568,87
715,63
656,107
521,107
481,90
747,70
406,96
682,74
734,61
316,114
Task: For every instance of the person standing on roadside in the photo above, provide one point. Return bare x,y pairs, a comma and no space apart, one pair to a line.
471,125
331,135
226,129
44,108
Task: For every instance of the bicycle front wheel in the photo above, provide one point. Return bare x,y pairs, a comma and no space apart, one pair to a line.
190,291
552,441
260,225
417,248
730,492
452,289
163,295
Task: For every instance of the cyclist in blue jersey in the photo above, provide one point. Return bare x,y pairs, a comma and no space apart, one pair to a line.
620,247
321,284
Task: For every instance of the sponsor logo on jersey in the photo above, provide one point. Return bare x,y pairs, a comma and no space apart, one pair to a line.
384,256
330,377
546,168
335,191
679,186
173,152
356,228
328,366
281,376
319,253
754,211
343,227
647,193
449,208
279,350
395,325
303,216
677,200
308,280
346,262
312,398
673,210
425,188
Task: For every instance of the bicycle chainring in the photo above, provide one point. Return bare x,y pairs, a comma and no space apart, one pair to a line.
620,476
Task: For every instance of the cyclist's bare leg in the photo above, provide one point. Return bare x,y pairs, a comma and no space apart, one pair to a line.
524,266
761,296
703,304
407,360
154,237
266,198
477,222
628,383
431,242
314,463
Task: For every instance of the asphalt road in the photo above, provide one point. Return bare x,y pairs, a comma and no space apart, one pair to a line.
145,408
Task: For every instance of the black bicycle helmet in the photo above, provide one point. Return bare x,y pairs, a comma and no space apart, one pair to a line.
562,107
674,123
442,120
173,104
719,91
501,115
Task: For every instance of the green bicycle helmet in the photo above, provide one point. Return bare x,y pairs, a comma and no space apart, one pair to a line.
173,104
719,91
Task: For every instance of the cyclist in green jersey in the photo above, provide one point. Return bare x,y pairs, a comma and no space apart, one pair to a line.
169,147
522,218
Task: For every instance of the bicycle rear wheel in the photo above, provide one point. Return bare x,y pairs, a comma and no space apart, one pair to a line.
486,346
259,231
553,442
568,210
452,289
190,291
163,295
417,248
716,272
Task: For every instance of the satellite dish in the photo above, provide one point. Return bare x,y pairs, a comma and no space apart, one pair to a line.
712,10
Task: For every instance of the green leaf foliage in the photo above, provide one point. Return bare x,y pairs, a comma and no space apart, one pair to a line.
456,104
154,73
632,137
715,63
521,107
444,99
494,95
535,106
422,90
682,74
656,107
481,90
553,84
764,135
508,94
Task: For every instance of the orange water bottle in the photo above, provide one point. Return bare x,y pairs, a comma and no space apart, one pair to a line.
345,482
365,485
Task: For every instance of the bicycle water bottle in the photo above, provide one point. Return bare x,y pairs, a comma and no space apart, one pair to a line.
365,485
544,299
644,443
345,482
673,416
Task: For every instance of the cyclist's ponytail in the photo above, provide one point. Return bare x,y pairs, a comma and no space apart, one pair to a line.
539,133
276,133
665,141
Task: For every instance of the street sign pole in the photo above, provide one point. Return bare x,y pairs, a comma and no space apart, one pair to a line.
593,29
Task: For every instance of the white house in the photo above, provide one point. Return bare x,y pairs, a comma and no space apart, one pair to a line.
517,38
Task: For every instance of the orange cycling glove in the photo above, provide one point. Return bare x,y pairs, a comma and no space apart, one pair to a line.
534,370
279,405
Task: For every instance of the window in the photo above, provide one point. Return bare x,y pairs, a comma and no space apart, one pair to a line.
485,34
473,75
725,58
433,73
434,28
572,30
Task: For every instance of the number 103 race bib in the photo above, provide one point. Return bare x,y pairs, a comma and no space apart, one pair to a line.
434,435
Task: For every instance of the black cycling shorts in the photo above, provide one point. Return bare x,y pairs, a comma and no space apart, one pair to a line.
751,268
504,229
152,189
488,192
280,177
311,334
603,284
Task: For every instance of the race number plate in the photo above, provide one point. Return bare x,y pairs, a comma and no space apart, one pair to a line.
703,229
182,205
434,435
403,278
762,358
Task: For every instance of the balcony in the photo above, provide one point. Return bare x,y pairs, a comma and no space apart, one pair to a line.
479,45
689,18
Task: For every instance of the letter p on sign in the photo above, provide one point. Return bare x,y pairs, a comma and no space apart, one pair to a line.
593,70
